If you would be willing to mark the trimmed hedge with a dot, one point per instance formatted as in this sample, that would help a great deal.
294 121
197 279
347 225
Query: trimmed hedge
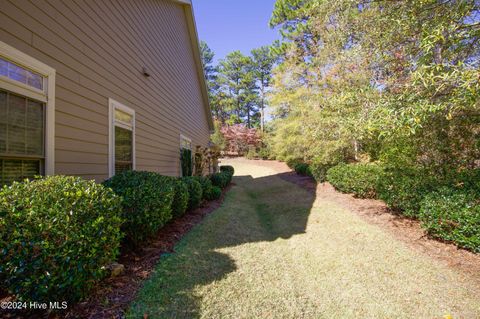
453 215
303 169
227 168
221 179
56 236
319 171
206 184
360 179
213 193
404 189
194 190
180 199
147 202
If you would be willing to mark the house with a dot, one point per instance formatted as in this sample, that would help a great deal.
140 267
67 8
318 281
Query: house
90 88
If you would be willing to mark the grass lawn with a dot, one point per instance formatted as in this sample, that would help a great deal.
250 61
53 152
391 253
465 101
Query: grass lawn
274 251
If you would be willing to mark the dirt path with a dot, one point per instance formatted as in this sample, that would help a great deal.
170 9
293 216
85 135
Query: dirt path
276 250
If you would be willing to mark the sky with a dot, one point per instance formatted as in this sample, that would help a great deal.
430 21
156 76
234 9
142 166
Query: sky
229 25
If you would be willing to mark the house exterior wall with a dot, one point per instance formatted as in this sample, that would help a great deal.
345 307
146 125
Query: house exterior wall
98 49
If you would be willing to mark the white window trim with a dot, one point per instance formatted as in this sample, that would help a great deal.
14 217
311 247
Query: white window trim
112 106
47 95
182 138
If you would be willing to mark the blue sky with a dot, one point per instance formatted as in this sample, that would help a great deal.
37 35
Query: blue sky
229 25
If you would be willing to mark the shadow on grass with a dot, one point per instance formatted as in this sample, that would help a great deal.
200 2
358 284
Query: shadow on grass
260 209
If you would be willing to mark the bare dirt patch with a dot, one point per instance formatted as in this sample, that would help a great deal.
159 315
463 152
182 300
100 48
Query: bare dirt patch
376 212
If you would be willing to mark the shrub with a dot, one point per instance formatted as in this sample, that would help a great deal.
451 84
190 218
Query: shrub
252 154
221 179
147 202
292 161
206 184
186 162
227 168
405 188
359 179
180 199
213 193
453 215
56 236
195 192
319 171
303 169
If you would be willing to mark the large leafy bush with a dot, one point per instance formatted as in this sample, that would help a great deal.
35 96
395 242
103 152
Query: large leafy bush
303 169
227 168
360 179
453 215
147 202
180 199
405 188
221 179
56 236
206 184
195 192
213 193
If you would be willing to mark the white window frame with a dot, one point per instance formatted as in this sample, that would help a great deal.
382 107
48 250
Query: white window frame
47 95
182 138
112 106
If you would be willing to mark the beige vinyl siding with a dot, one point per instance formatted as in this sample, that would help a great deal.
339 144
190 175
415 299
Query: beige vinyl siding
98 49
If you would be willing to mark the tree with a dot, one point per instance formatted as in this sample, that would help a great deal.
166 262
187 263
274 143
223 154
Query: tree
237 83
263 61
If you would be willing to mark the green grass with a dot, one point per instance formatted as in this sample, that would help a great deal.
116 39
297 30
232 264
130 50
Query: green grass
273 251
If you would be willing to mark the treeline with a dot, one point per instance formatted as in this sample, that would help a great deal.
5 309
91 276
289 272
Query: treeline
395 84
238 85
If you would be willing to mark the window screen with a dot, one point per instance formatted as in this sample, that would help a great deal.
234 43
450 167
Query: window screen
123 149
21 137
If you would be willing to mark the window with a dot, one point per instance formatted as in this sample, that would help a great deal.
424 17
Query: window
122 138
27 111
186 162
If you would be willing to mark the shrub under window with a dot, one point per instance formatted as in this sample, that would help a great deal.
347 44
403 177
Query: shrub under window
56 236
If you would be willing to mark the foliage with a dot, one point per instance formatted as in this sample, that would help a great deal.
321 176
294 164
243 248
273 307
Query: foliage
453 215
217 137
227 168
213 193
221 179
186 162
56 236
206 184
147 202
404 188
180 199
194 190
200 156
239 139
360 179
302 169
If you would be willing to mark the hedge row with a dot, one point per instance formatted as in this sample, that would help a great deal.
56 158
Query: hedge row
58 234
448 209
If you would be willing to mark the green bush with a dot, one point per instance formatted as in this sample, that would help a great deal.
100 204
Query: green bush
180 199
221 179
213 193
292 161
227 168
57 234
405 188
195 192
319 171
359 179
147 202
303 169
206 184
453 215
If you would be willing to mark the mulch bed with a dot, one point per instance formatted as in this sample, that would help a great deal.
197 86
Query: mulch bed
114 295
